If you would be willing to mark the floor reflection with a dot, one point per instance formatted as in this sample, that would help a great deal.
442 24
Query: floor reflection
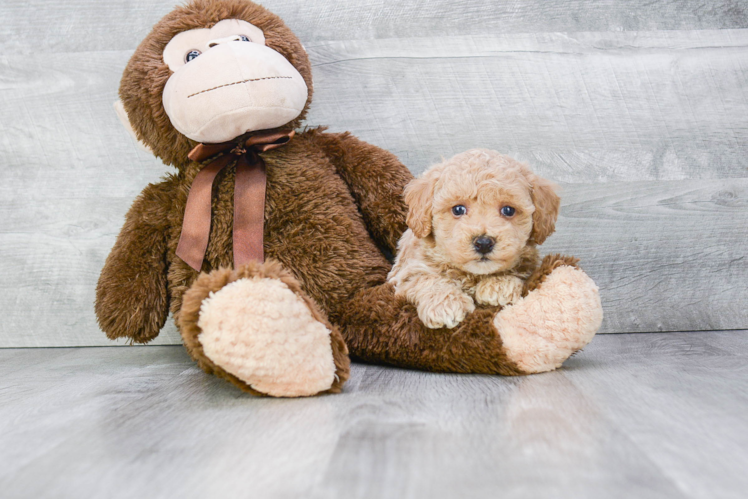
548 416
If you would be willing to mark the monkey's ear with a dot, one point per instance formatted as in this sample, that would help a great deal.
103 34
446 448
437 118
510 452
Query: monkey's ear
119 108
547 204
419 196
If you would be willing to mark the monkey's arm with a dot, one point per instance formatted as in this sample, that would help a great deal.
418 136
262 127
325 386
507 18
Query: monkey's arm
376 179
131 296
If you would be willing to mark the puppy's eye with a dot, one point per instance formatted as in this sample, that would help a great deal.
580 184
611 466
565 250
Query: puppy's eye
191 55
244 38
507 211
459 210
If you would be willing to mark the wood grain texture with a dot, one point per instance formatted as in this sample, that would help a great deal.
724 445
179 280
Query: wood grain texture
645 130
581 107
664 254
657 415
84 25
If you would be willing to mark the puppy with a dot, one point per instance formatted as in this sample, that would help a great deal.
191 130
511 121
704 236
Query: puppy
474 222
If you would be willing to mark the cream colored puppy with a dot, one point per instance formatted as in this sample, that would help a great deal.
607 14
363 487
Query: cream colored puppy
474 221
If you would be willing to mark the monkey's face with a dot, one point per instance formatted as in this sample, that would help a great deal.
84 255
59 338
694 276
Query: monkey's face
226 82
210 71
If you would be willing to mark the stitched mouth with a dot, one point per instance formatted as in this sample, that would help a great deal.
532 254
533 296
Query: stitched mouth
240 82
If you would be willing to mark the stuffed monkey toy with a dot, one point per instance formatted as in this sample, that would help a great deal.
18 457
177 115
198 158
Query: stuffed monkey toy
271 248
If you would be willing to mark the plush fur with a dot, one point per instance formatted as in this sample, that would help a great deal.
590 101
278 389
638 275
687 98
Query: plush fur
208 284
146 74
476 345
438 267
276 346
541 345
334 212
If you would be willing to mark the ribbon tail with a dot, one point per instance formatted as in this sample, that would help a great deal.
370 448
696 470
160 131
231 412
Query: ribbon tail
249 211
193 241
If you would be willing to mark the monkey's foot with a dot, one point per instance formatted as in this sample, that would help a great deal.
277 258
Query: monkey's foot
553 321
256 328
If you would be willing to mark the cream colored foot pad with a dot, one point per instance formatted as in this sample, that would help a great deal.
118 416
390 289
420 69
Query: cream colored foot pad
261 332
542 330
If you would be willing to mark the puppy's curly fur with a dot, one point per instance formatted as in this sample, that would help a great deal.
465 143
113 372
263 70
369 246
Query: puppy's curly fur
441 267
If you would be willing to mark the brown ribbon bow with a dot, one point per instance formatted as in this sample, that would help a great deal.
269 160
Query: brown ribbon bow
249 197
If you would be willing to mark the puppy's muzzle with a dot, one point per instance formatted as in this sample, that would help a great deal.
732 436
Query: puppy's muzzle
483 244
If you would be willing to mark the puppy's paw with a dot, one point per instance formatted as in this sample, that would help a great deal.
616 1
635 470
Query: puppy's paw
499 290
440 308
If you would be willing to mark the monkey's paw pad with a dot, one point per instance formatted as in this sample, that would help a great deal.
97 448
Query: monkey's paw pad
261 332
438 310
540 331
499 291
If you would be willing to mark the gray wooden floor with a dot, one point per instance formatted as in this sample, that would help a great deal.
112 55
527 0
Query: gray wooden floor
657 415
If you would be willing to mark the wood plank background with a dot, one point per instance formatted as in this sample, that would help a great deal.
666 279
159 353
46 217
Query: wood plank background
638 109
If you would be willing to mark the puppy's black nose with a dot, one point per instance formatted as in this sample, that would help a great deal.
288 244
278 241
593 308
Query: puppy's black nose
483 244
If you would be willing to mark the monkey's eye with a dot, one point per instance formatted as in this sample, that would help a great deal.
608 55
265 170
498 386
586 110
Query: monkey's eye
459 210
191 55
244 38
507 211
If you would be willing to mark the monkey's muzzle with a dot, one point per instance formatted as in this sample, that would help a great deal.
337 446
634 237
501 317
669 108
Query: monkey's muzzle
231 89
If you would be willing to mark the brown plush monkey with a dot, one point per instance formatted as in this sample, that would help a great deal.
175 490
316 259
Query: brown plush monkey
222 82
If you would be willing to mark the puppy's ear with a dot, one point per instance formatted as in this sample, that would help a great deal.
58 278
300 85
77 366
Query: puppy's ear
547 204
419 196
